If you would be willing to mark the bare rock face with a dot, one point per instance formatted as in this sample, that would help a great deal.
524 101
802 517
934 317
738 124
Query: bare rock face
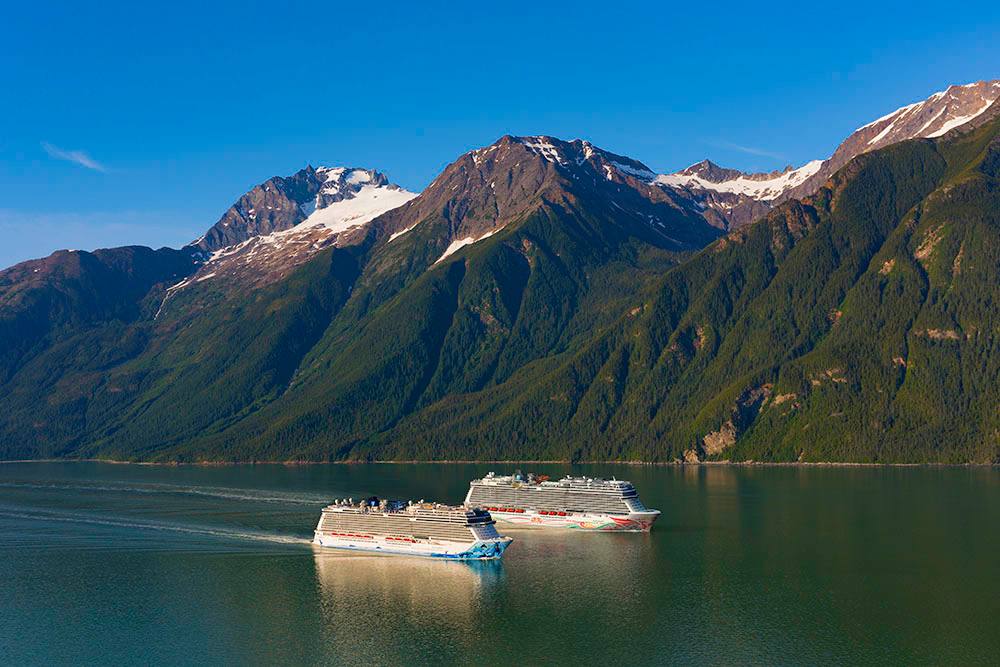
742 415
280 203
283 222
717 441
488 188
274 205
691 456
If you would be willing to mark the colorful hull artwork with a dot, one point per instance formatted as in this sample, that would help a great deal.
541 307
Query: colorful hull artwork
479 550
635 523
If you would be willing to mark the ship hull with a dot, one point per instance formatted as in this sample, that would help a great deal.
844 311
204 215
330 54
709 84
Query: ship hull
637 522
490 549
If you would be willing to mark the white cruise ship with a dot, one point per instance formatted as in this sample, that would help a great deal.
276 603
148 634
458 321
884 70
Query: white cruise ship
416 529
583 503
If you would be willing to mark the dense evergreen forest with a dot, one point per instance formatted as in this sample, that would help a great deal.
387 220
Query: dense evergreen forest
858 325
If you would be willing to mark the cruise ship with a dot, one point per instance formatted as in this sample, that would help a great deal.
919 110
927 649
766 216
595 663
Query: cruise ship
415 529
582 503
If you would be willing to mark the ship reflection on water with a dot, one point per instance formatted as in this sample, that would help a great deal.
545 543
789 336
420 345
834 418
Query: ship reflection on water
411 582
371 602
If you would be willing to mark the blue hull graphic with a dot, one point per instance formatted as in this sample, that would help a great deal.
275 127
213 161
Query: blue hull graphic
481 551
485 550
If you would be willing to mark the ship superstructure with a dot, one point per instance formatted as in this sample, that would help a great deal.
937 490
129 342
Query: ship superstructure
419 529
582 503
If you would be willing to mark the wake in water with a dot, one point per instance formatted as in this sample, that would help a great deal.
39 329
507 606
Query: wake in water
227 493
222 533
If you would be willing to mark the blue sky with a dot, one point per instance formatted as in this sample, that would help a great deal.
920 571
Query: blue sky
141 122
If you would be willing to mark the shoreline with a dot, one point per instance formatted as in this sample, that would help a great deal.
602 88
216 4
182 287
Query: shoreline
679 464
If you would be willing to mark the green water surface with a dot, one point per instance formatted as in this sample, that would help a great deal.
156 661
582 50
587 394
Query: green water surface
116 564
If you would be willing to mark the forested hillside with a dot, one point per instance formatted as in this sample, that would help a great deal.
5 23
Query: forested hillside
540 301
860 325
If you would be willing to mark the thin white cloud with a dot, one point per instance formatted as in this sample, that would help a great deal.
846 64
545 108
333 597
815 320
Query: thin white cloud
749 150
77 157
29 234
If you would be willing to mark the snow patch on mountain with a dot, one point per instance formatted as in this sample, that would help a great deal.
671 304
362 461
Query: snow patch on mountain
354 207
458 244
365 205
959 120
347 200
643 174
544 147
950 108
890 115
764 190
396 235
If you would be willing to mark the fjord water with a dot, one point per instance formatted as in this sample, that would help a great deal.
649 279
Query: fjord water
113 564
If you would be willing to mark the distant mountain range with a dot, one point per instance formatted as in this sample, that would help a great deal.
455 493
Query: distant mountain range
733 198
543 299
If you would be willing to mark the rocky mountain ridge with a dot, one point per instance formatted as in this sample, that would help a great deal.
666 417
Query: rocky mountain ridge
281 203
484 190
942 112
732 198
283 222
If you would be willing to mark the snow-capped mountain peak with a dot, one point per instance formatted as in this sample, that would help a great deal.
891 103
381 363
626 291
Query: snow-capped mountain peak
339 183
286 220
350 197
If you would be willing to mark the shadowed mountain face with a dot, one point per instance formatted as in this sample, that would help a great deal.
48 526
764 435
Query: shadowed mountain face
541 299
857 325
71 291
384 311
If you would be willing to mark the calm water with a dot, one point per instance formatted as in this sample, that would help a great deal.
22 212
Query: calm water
131 564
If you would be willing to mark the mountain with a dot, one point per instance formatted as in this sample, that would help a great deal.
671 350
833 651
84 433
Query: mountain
860 324
279 204
485 190
938 114
731 198
70 291
283 222
270 334
540 299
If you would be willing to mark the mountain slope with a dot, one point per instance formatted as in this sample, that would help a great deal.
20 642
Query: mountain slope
541 299
70 290
555 242
283 222
390 315
731 198
860 325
